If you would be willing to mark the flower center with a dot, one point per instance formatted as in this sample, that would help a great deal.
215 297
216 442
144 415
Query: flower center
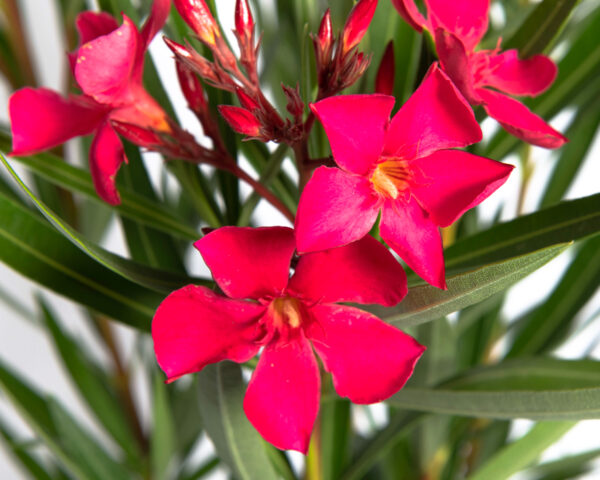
391 178
286 311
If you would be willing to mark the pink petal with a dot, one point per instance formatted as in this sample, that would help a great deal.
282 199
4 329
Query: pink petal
249 262
105 65
91 25
282 399
410 13
41 119
467 19
106 156
363 272
455 62
155 21
435 117
369 359
336 208
530 76
519 121
412 234
456 181
355 126
194 326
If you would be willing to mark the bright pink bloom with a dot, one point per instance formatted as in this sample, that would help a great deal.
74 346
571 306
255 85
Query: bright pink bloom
400 168
457 27
108 66
368 359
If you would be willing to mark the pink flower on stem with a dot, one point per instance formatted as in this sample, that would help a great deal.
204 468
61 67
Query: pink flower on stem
108 67
401 169
457 28
368 359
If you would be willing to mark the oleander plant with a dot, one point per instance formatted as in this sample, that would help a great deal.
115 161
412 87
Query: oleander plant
362 186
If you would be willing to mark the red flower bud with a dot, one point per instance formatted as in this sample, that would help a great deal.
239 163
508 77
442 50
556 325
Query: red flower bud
384 82
197 15
244 23
358 21
193 60
241 120
325 35
246 100
191 88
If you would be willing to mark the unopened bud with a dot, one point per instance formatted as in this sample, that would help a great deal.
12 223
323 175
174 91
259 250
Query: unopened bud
193 60
358 21
241 120
246 100
197 15
191 88
325 35
244 23
384 82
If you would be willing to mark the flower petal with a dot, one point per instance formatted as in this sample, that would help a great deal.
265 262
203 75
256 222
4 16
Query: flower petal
467 19
249 262
106 156
410 13
455 182
368 359
455 62
91 25
282 399
435 117
409 231
41 119
512 75
194 326
155 21
355 126
336 208
519 121
363 272
104 65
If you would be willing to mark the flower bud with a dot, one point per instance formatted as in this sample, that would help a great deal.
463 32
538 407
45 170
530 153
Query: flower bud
325 35
384 82
197 15
191 88
358 21
244 23
246 100
241 120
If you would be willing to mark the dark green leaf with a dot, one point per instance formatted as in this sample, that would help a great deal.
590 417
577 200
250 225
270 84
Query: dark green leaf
237 443
163 440
426 303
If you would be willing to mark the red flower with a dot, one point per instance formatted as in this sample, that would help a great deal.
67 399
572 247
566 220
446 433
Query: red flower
108 66
402 169
457 27
369 360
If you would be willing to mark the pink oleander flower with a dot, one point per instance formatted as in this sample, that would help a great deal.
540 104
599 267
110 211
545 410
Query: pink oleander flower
402 169
108 67
368 359
457 28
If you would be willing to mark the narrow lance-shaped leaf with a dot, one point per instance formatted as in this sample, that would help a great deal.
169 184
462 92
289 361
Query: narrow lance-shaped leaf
156 279
236 441
426 303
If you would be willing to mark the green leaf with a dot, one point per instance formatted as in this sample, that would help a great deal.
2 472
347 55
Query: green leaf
132 205
538 389
549 324
163 440
159 280
518 455
565 222
541 26
426 303
36 250
336 428
83 449
92 383
573 466
20 451
237 443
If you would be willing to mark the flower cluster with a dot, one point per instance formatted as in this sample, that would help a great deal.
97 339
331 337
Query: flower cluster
283 289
